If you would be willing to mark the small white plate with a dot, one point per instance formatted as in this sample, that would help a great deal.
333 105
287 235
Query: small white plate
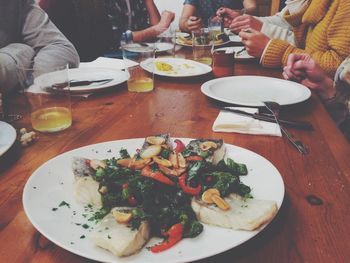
90 74
253 90
7 137
238 56
181 67
54 181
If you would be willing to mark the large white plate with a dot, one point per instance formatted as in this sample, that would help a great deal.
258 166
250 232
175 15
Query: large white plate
52 183
243 55
253 90
7 137
181 67
78 74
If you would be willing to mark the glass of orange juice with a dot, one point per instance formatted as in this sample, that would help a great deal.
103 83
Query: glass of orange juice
139 66
49 97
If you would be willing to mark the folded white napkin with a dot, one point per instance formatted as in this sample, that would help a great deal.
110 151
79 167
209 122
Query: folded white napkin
113 63
232 122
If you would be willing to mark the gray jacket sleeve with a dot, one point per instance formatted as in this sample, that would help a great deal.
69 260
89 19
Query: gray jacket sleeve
11 56
52 48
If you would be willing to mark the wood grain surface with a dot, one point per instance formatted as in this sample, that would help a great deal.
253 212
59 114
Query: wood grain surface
312 225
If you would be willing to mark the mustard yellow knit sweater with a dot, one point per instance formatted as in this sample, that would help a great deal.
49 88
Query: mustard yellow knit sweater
321 29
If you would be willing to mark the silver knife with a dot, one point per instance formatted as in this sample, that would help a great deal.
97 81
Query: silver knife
76 83
271 118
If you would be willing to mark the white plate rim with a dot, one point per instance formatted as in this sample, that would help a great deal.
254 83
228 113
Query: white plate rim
157 50
205 88
215 45
118 76
12 135
236 49
277 177
206 69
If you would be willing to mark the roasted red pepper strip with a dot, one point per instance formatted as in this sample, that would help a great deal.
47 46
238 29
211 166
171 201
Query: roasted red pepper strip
194 158
180 146
158 176
174 235
188 189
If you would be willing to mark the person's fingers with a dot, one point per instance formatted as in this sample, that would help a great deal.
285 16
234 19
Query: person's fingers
240 18
221 11
304 65
292 58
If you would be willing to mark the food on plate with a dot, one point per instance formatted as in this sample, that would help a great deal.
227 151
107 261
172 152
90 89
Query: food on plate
245 214
118 238
175 68
85 187
167 190
220 39
163 66
212 150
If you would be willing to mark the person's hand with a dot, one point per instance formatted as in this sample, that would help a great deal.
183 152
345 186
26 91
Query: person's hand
193 23
165 20
254 41
302 68
227 15
244 22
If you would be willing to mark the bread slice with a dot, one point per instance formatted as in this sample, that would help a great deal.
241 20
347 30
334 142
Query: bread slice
244 214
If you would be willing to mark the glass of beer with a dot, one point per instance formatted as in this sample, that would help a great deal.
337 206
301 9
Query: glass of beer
49 97
202 46
136 63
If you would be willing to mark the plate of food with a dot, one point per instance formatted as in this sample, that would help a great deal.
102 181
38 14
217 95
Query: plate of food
186 40
175 67
7 137
240 52
254 90
153 199
87 79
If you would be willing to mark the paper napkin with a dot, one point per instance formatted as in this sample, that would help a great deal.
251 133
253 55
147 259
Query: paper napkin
232 122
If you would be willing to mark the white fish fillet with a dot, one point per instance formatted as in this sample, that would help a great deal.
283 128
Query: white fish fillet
244 214
85 190
120 239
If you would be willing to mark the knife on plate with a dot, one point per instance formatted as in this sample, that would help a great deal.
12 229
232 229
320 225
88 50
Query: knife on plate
77 83
262 117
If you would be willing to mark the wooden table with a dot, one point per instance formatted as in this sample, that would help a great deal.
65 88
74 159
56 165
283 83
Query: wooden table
312 225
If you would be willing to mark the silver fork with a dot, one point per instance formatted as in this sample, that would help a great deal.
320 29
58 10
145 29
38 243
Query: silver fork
274 107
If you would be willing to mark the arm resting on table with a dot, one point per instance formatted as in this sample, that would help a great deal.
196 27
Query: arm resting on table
11 56
52 48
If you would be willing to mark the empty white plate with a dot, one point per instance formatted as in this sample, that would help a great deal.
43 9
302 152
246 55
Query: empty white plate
253 90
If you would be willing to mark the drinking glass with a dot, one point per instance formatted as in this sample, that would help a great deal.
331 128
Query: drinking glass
215 27
202 46
49 97
165 45
140 68
223 62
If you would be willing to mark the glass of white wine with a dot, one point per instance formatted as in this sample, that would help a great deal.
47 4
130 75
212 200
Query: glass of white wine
49 97
202 46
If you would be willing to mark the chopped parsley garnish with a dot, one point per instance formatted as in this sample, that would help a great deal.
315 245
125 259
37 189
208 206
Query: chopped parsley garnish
63 203
82 236
86 226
